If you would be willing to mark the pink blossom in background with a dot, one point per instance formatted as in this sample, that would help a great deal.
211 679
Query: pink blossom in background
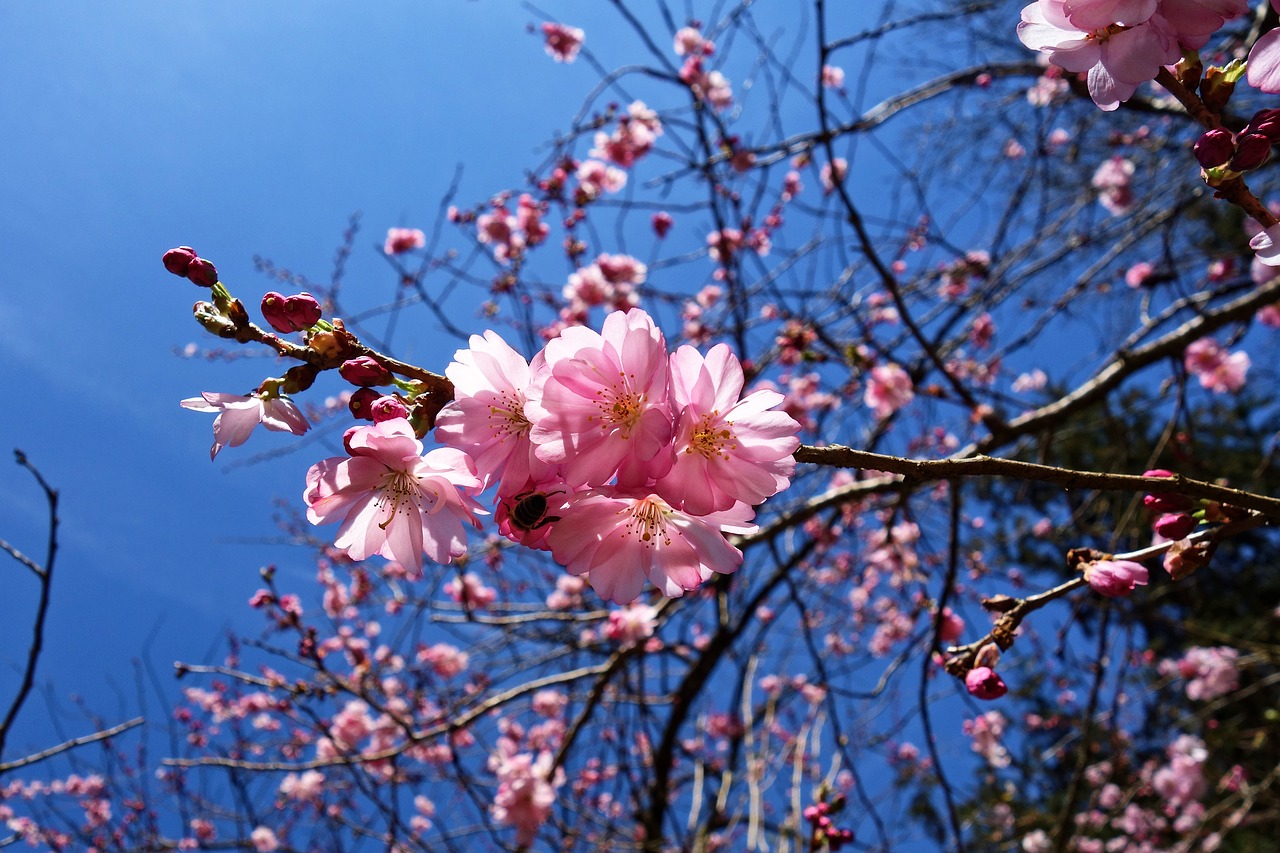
238 415
951 626
471 592
709 86
486 418
403 240
1217 370
500 229
1113 181
833 174
1115 578
596 177
264 840
562 41
1210 672
633 138
1270 316
726 449
622 538
600 405
1033 381
1138 274
888 389
392 501
1181 781
1048 88
985 732
832 76
305 787
632 624
526 789
689 42
1013 150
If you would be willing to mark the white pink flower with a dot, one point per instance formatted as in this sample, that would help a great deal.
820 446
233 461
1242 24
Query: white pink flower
1217 370
888 389
1115 578
238 415
620 539
393 501
726 449
403 239
526 790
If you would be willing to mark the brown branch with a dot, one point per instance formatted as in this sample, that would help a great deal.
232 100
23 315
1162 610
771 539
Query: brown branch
37 757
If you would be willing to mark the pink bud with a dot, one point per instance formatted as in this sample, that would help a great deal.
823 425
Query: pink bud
1115 578
1214 147
364 370
303 310
387 408
984 683
177 260
273 312
1174 525
1252 150
662 223
1267 123
202 272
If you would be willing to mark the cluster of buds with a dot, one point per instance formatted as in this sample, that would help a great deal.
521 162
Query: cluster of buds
1224 155
183 261
825 832
1174 519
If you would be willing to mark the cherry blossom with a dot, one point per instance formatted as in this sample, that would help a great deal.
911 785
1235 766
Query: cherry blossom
1217 370
238 415
1210 671
393 501
832 76
1264 60
888 389
400 240
486 418
1115 578
600 401
526 789
620 538
1113 181
726 449
562 41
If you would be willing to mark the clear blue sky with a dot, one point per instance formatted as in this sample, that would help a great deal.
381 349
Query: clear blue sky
242 129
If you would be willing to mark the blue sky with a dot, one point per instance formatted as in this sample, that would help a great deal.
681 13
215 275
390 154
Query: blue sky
241 129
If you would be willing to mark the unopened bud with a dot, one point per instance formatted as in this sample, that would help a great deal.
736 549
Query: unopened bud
273 312
364 370
388 408
361 404
202 272
1267 123
178 260
299 378
984 683
1174 525
303 310
1252 150
1214 147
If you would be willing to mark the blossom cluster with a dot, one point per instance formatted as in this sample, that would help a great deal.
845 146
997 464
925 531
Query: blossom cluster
1121 44
625 461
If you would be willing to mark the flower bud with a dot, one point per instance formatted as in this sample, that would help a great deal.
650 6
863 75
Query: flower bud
1115 578
1214 147
303 310
387 408
273 312
983 683
1252 150
1267 123
202 272
361 404
662 223
1174 525
1166 502
178 260
364 370
299 378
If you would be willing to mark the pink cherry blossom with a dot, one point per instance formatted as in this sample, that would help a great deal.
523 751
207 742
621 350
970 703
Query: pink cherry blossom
1264 61
888 389
833 174
486 418
689 42
1113 181
562 41
1210 671
983 682
832 76
596 177
264 840
621 538
393 501
238 415
726 449
632 624
1115 578
526 789
602 402
403 239
1266 243
1217 370
1117 58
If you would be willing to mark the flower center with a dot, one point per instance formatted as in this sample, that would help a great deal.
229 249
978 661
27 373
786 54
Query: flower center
711 441
648 521
506 416
401 493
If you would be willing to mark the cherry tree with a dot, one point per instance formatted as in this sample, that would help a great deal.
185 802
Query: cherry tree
852 437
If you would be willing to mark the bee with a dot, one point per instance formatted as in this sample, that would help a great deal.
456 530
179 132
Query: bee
529 511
